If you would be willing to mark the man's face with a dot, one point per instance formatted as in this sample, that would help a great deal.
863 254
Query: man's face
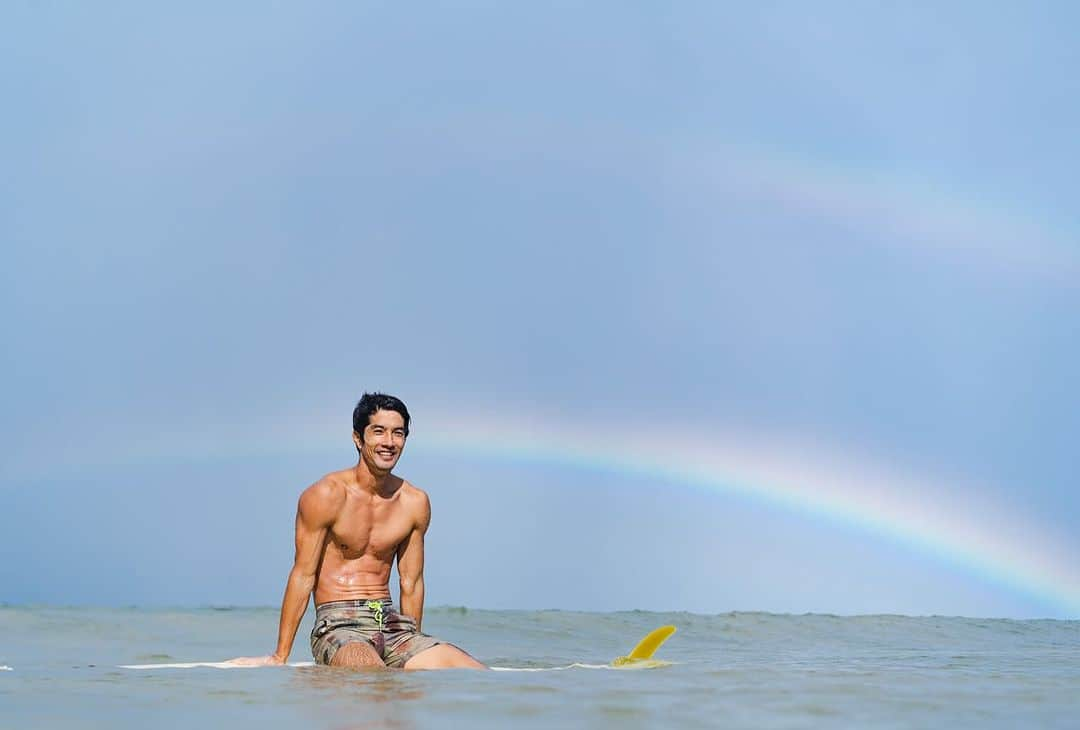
383 440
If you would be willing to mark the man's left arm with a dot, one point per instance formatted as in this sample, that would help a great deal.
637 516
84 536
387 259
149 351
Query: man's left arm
410 557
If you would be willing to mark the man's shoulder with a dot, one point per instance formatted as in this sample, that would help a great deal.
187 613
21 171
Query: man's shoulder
417 501
327 493
412 492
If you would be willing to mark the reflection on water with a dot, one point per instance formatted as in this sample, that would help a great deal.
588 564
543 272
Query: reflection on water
359 698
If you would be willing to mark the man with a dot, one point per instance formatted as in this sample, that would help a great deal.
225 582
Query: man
349 527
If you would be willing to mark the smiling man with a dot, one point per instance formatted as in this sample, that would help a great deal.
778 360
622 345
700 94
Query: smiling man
350 525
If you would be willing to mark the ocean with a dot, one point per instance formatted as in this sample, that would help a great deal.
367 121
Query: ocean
733 670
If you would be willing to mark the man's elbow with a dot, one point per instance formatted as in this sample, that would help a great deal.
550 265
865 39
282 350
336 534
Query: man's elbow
410 585
302 579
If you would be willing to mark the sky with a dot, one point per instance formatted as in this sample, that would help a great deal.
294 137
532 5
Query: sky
696 307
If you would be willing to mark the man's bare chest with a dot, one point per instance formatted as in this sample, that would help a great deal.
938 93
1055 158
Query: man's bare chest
368 526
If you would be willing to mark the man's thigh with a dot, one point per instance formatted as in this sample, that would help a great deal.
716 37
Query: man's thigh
357 654
443 656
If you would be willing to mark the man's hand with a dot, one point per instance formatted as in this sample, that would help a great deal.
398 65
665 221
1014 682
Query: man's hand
272 660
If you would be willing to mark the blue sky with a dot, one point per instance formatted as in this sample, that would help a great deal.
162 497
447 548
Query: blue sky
853 231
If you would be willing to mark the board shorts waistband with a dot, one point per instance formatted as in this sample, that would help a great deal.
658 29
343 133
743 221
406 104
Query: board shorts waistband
354 603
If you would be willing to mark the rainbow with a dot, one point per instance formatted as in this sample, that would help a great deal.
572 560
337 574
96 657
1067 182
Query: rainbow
949 523
936 221
946 523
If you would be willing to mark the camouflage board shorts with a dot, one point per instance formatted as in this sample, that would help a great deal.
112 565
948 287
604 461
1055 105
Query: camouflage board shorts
394 636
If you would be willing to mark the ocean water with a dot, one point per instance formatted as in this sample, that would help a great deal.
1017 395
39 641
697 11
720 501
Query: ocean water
735 670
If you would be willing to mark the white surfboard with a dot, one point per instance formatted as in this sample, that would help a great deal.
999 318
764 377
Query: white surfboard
575 665
227 665
639 658
213 665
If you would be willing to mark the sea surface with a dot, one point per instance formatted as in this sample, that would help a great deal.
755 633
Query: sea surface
734 670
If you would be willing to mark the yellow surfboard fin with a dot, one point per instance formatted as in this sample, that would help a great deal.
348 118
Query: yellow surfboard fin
643 652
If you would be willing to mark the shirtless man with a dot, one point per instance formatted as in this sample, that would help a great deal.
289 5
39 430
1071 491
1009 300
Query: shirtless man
349 527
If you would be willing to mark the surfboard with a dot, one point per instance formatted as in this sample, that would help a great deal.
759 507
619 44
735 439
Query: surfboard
212 665
639 658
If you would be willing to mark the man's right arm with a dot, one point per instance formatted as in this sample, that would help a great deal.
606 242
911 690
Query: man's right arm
315 514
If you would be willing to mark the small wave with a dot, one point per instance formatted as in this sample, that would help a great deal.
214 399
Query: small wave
5 668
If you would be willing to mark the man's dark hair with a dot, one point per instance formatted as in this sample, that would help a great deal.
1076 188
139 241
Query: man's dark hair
371 402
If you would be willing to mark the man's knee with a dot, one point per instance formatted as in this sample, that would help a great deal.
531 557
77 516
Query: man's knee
357 654
443 656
